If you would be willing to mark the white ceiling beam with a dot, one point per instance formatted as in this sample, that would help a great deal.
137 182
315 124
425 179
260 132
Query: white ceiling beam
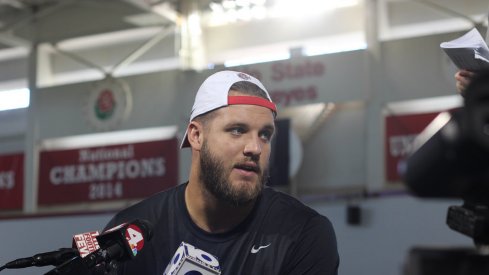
108 39
37 15
161 9
447 10
143 49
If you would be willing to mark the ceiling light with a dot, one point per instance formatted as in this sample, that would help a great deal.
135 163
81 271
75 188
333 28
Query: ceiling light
216 7
243 3
287 8
228 4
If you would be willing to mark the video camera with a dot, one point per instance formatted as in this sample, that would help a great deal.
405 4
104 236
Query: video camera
451 160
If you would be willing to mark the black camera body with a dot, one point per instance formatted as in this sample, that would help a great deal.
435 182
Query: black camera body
453 162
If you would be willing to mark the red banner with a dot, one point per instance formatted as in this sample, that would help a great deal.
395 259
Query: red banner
11 181
115 172
400 131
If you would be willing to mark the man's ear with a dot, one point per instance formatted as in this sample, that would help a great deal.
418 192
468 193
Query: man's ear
195 135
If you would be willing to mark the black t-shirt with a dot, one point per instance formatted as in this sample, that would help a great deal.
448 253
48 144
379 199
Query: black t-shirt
280 236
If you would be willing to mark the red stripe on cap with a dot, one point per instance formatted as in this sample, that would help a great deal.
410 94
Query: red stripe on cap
251 100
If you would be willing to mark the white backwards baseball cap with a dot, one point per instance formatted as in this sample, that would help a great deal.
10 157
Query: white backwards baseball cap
213 94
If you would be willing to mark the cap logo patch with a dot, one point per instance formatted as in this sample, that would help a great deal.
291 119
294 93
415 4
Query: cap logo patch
244 76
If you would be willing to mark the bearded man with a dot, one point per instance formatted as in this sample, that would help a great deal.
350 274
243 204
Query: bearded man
225 211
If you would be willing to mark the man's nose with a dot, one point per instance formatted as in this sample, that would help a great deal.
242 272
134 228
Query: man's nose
253 146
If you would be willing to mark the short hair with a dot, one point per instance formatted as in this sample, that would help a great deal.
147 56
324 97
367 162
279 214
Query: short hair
249 88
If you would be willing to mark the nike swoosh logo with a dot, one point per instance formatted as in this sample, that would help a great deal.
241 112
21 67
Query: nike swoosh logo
255 250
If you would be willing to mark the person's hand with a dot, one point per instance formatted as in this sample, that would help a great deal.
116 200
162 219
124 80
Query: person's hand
463 79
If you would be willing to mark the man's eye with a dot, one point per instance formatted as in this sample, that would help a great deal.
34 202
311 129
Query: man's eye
237 131
266 135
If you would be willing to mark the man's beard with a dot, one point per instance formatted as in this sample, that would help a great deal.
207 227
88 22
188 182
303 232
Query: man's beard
216 180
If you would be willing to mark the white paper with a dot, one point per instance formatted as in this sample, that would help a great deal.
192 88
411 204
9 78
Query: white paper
487 30
469 51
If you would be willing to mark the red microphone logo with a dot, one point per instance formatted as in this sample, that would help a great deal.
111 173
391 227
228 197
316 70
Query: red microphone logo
134 237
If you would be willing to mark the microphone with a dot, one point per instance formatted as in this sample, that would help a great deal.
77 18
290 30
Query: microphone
119 243
42 259
83 244
191 260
